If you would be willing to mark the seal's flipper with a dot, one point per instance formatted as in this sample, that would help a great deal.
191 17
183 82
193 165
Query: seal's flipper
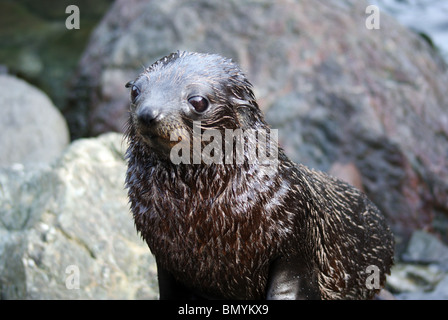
289 279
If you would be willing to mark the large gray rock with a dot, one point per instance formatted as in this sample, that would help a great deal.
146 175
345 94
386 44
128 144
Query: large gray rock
337 91
66 231
33 130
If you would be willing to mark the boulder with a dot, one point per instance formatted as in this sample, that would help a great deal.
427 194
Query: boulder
34 131
66 231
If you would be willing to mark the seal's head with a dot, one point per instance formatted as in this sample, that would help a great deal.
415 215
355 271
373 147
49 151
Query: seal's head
185 87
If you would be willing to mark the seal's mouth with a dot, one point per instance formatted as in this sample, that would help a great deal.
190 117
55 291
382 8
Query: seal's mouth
153 138
149 135
159 137
148 132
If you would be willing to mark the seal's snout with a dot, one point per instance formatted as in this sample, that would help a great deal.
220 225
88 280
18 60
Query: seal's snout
148 115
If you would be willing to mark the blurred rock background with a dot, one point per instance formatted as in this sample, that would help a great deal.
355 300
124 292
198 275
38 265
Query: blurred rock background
367 105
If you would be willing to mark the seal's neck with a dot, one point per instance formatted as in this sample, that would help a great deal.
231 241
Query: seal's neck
207 181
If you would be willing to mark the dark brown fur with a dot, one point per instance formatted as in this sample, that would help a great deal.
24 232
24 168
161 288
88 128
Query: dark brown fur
218 228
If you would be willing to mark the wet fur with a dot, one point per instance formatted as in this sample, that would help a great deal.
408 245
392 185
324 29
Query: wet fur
218 229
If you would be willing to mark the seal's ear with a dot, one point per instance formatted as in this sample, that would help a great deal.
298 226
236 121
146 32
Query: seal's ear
129 84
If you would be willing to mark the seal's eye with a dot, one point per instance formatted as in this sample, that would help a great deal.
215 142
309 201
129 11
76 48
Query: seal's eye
135 92
200 104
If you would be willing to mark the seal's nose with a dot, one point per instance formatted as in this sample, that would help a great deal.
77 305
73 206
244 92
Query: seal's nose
147 115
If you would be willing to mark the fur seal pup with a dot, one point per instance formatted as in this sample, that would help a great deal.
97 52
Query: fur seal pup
242 230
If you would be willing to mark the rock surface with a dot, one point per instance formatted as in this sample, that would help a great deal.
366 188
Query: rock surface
423 274
66 231
337 91
33 130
